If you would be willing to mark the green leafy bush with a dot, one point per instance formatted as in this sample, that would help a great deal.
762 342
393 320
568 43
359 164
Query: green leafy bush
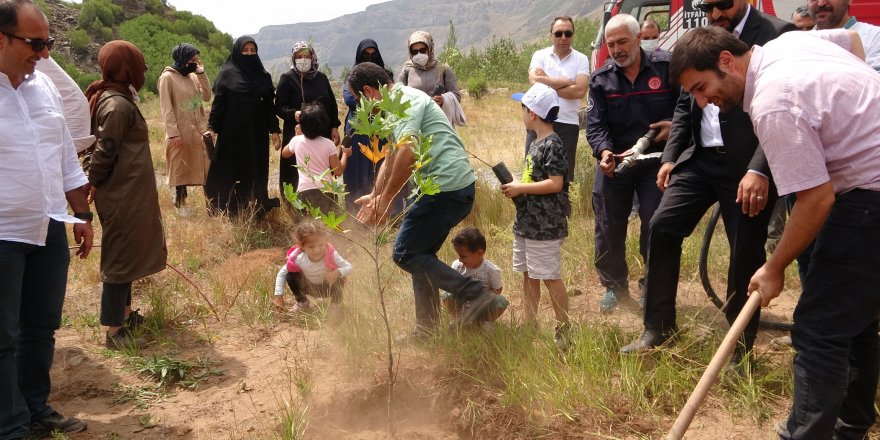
97 14
476 87
505 60
82 79
79 41
156 36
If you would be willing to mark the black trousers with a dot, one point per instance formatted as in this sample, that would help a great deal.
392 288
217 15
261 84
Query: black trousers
837 364
612 204
694 187
114 299
300 288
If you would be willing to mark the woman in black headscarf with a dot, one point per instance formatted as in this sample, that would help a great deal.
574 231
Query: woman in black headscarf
242 116
360 173
303 84
183 87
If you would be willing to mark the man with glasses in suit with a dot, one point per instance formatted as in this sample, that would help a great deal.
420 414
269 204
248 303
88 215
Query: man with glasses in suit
711 157
568 72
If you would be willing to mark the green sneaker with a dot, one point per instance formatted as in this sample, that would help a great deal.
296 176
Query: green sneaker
608 301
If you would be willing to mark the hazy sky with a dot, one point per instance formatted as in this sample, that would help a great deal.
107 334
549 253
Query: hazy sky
238 17
241 17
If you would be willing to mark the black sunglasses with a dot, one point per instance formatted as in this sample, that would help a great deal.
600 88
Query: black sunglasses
723 5
35 43
559 34
418 51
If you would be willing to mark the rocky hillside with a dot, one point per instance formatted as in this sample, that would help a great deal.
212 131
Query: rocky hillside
390 23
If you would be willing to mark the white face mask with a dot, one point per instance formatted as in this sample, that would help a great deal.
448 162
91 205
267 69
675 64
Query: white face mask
303 64
421 59
650 45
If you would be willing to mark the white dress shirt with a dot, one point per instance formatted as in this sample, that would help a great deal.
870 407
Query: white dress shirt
74 103
574 64
710 126
38 161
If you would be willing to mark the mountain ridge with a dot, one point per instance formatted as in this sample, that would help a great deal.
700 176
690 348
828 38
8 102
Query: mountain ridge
390 24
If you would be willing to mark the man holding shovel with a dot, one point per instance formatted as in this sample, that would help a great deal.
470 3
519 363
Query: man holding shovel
821 135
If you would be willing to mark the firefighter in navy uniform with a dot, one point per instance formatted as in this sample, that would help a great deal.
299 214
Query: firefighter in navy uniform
629 95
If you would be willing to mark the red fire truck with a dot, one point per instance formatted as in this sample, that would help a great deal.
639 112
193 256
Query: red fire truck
675 17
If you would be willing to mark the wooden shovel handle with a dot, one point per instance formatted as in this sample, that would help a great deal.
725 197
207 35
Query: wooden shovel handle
686 416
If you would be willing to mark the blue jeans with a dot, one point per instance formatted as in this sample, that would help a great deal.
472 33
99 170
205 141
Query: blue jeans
31 298
837 364
422 233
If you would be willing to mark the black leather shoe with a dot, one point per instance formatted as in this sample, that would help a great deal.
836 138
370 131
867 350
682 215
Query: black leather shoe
648 340
739 362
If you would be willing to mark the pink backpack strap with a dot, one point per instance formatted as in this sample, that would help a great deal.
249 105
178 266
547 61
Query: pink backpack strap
292 253
328 258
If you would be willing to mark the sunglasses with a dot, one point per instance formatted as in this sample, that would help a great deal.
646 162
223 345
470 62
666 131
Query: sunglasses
723 5
559 34
418 51
35 43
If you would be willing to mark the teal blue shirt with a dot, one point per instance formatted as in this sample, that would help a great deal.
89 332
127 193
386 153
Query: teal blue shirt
449 161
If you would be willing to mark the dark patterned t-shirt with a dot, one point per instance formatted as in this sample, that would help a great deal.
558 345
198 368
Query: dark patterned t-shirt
544 216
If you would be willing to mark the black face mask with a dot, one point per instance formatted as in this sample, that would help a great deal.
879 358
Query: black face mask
371 57
191 67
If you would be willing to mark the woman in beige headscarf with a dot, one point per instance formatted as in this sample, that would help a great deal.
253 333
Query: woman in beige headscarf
183 88
121 173
422 71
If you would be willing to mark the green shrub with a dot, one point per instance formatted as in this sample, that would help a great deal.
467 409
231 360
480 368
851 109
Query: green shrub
81 78
156 36
477 87
79 41
505 60
95 14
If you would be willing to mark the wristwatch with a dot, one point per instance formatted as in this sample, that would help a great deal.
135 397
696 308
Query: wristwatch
87 216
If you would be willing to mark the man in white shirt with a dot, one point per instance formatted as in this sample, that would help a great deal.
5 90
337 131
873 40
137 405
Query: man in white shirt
568 72
38 171
834 14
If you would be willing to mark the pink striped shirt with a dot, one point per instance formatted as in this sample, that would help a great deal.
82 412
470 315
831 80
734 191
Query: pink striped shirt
814 106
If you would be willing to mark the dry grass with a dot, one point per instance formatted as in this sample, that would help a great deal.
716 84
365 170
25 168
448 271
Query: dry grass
511 383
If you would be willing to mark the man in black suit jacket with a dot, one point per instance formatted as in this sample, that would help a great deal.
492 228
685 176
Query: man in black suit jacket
711 157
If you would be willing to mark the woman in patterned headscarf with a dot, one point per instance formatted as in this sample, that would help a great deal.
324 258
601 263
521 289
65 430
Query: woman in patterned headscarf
243 118
302 84
183 87
121 173
422 70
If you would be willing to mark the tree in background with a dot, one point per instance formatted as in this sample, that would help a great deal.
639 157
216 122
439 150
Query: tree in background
450 54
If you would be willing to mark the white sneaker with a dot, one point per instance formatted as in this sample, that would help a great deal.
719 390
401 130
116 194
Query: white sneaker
304 306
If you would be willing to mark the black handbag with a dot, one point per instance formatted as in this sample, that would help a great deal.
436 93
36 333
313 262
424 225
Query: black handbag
209 146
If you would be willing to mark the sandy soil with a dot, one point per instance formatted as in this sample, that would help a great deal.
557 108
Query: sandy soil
255 385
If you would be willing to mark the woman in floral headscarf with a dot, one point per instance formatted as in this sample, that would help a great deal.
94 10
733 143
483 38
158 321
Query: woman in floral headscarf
121 173
422 71
302 84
